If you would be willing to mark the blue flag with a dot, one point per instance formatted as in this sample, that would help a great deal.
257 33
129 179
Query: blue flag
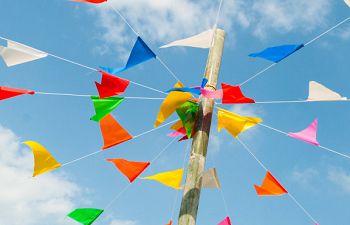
193 90
139 54
278 53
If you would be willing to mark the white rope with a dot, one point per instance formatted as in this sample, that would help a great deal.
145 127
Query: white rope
218 14
163 150
154 129
168 69
258 73
123 18
251 153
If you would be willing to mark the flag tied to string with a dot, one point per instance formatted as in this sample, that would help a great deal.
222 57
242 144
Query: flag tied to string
170 222
85 216
90 1
188 113
104 106
139 54
196 90
226 221
43 160
308 135
177 133
318 92
111 85
270 187
130 169
8 92
210 179
278 53
234 95
171 178
202 40
16 53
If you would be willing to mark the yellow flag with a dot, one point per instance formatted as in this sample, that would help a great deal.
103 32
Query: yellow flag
171 103
172 178
176 126
43 160
235 124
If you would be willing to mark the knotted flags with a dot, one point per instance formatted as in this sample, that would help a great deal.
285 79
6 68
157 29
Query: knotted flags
270 187
104 106
226 221
202 40
85 216
187 113
278 53
171 179
8 92
234 95
111 85
130 169
308 135
318 92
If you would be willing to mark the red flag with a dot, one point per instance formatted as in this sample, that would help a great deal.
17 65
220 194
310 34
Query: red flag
270 187
90 1
233 94
170 223
111 85
130 169
7 92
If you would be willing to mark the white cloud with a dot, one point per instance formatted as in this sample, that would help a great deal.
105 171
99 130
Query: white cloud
340 178
305 177
123 222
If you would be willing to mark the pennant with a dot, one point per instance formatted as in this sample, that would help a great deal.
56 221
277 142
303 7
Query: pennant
210 179
278 53
202 40
180 132
234 95
85 216
318 92
16 53
170 223
308 135
212 94
130 169
90 1
188 113
139 54
104 106
347 2
172 178
235 124
171 103
43 160
112 132
192 90
8 92
226 221
177 125
111 85
270 187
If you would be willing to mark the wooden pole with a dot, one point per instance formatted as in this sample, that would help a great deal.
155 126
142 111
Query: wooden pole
193 184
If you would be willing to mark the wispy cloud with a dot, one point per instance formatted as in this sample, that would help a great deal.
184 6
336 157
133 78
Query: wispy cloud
123 222
340 178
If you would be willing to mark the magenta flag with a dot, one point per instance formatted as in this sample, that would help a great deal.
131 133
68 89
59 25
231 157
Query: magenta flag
308 135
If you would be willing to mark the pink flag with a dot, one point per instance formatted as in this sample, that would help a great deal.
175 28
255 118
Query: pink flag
308 135
212 94
179 132
226 221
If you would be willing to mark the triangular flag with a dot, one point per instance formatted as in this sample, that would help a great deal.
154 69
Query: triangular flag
270 187
192 90
172 178
112 133
210 179
226 221
139 54
111 85
177 133
43 160
202 40
130 169
90 1
171 103
170 223
278 53
235 124
177 125
85 216
212 94
104 106
8 92
347 2
187 113
318 92
234 95
16 53
308 135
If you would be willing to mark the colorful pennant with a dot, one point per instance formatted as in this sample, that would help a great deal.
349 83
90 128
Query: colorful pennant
85 216
112 132
270 187
212 94
170 222
176 126
188 113
104 106
111 85
308 135
278 53
235 124
8 92
226 221
43 160
130 169
202 40
172 178
234 95
139 54
210 179
196 90
177 133
318 92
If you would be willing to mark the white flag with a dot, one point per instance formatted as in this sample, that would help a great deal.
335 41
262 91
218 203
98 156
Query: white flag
347 2
16 53
202 40
318 92
210 179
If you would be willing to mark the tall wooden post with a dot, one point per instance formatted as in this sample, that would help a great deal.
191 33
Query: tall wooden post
193 184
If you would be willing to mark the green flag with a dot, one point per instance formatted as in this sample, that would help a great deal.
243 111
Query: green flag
104 106
187 113
85 216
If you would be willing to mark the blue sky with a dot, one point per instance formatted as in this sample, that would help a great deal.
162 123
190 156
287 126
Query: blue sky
94 36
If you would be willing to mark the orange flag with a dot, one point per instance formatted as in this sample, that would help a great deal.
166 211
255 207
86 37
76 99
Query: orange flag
170 223
90 1
113 134
130 169
270 187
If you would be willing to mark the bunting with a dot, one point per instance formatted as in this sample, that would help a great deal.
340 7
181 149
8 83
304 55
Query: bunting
8 92
177 133
210 179
278 53
85 216
202 40
196 90
171 179
104 106
16 53
177 125
112 132
308 135
111 85
170 222
130 169
43 160
139 54
270 187
188 113
226 221
318 92
212 94
235 124
234 95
